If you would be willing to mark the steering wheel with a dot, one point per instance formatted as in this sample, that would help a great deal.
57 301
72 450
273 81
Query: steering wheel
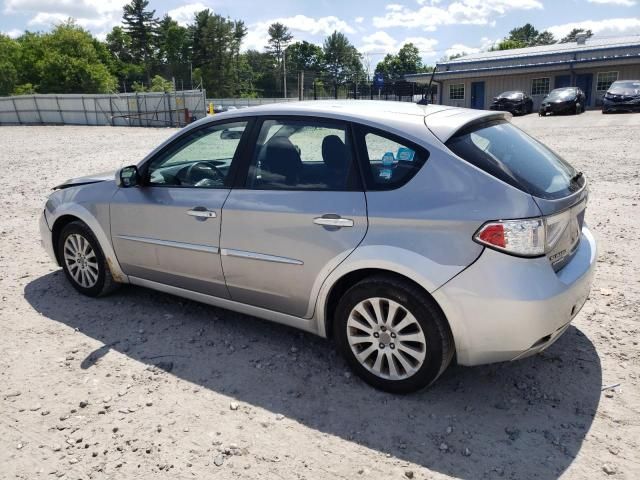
202 172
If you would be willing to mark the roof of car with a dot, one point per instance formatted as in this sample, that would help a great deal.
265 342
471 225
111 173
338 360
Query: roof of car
407 119
356 108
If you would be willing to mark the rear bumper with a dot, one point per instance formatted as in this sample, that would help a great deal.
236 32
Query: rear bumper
45 237
504 308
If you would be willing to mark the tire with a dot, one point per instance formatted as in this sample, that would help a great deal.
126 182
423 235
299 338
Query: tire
418 318
578 108
83 261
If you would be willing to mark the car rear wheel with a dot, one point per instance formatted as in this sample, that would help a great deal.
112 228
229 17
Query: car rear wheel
392 335
83 261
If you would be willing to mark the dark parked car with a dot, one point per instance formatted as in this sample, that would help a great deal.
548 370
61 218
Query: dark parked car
622 96
514 102
564 100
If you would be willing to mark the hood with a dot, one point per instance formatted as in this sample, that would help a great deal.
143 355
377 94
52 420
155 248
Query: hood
74 182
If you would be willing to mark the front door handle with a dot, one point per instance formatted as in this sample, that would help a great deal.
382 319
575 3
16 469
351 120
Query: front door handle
201 213
331 220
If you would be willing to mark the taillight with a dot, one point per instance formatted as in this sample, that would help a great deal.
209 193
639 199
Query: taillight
525 238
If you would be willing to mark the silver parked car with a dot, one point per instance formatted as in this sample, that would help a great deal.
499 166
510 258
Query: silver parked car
409 234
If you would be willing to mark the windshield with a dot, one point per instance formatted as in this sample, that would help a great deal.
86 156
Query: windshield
562 94
511 95
506 152
631 87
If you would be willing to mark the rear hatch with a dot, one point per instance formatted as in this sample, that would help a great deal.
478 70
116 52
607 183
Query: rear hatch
506 152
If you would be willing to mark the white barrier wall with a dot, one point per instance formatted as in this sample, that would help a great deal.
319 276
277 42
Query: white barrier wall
170 109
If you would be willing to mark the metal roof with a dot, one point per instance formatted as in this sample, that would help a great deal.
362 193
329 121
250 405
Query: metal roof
592 44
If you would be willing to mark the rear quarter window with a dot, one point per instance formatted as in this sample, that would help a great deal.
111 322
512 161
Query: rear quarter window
506 152
389 161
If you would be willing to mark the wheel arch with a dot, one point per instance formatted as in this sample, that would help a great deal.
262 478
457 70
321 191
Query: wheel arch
74 212
342 284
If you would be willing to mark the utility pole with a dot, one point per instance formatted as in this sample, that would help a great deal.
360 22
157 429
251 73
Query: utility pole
284 68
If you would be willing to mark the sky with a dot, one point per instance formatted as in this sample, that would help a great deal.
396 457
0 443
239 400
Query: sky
375 27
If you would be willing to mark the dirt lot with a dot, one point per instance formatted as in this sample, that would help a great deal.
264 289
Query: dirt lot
145 385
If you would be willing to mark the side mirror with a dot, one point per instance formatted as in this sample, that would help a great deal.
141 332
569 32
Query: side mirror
128 177
229 134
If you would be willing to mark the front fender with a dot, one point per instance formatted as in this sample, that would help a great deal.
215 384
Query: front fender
418 268
95 215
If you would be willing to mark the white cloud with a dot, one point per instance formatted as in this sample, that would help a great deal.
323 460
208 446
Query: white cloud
459 48
90 14
429 16
380 43
610 26
14 33
257 34
624 3
359 19
184 15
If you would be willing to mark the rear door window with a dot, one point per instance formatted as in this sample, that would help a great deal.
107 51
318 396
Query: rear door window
511 155
303 154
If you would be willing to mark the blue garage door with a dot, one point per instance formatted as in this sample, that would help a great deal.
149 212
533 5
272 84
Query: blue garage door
585 81
562 81
477 95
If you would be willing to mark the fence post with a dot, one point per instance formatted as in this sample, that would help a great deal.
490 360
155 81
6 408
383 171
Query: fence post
111 111
146 111
13 100
35 101
84 110
168 100
301 85
60 111
315 89
335 89
138 110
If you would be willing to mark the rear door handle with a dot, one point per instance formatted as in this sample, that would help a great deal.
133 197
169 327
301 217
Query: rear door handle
333 221
201 213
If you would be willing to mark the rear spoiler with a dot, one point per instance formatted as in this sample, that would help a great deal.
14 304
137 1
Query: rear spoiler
444 124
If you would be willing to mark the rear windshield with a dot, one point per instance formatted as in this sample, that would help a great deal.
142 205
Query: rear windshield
506 152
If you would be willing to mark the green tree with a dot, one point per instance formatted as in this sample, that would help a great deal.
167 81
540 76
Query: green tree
174 44
279 38
526 34
509 44
216 44
9 55
573 34
546 38
141 25
342 60
407 60
71 63
161 84
304 56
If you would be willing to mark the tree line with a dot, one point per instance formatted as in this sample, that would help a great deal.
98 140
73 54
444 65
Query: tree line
147 53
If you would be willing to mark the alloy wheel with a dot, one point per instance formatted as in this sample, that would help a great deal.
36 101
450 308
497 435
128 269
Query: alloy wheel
81 261
386 338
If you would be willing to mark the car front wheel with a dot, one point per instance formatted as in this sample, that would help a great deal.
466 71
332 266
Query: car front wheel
83 261
392 335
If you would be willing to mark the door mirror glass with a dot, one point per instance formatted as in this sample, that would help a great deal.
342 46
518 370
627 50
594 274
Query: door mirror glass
128 176
232 133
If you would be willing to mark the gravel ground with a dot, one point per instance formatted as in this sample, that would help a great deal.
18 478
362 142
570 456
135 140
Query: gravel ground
145 385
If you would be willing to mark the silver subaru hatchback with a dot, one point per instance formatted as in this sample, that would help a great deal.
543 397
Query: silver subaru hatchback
409 234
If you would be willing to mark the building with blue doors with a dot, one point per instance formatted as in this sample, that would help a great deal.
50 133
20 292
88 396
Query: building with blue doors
592 64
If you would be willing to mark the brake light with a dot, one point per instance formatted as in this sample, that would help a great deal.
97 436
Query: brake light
518 237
